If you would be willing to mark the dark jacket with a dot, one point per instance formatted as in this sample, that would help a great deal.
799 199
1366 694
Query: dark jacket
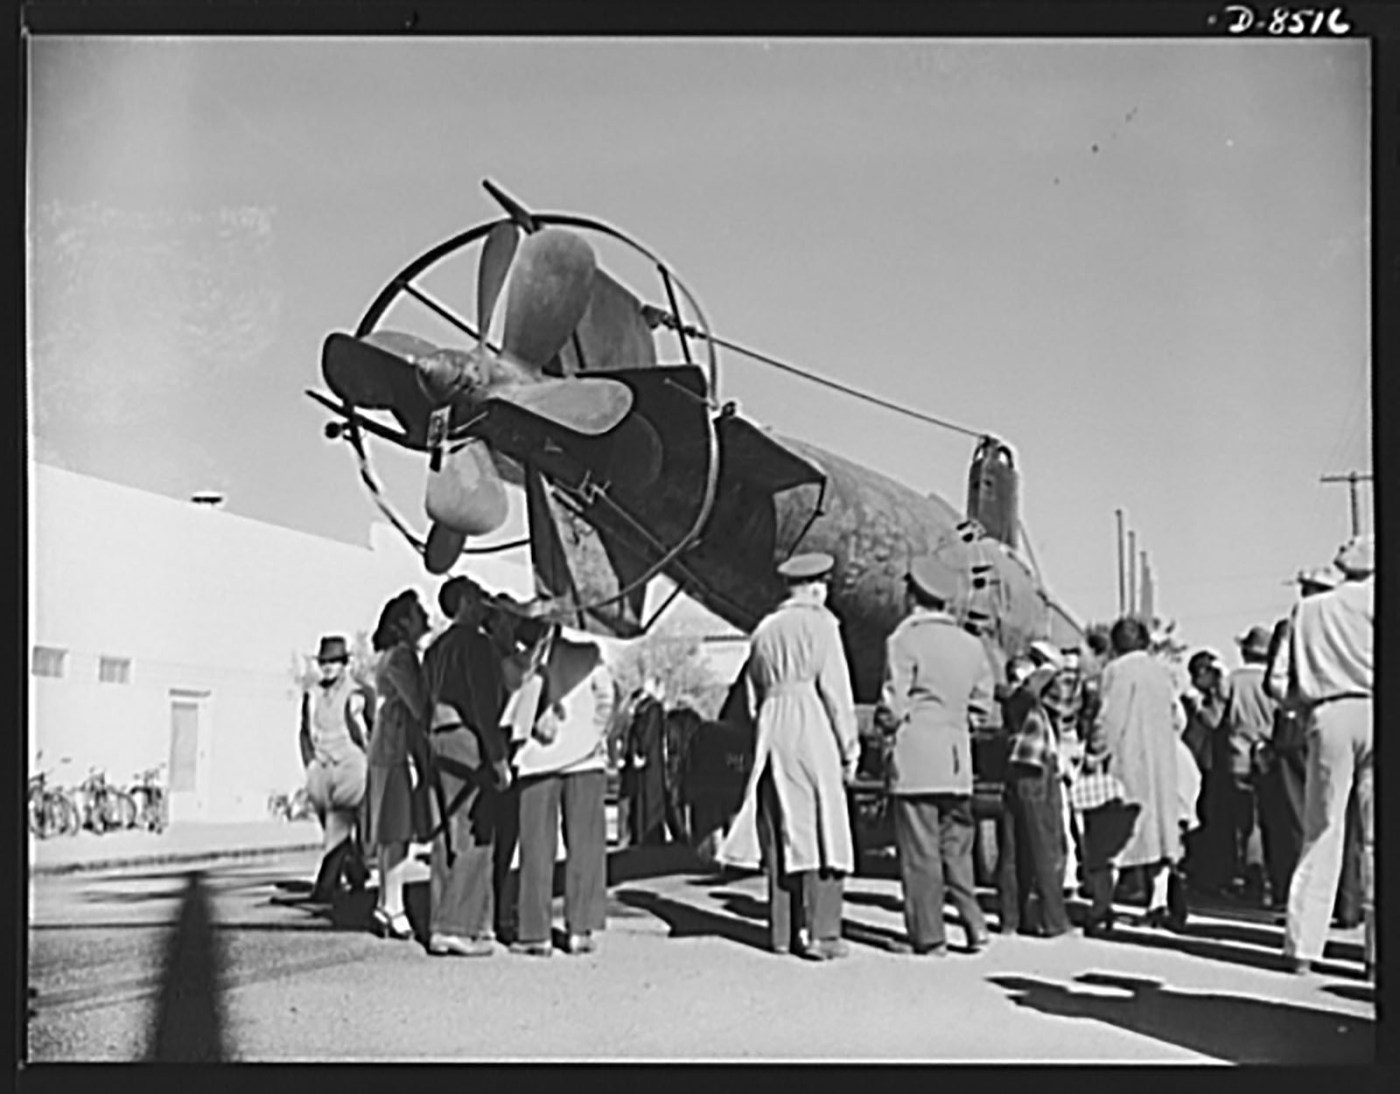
643 771
463 670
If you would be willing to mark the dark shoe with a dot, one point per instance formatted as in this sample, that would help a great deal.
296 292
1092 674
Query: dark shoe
1062 933
904 949
451 945
1299 966
1162 920
301 900
582 943
532 949
827 949
356 874
1099 926
976 943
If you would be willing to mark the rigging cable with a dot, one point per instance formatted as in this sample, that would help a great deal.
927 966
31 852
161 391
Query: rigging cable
655 315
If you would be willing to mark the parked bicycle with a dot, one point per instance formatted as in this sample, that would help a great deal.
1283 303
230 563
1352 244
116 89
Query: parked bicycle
105 807
52 811
148 794
289 807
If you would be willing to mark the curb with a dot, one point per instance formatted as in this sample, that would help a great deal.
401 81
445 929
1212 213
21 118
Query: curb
167 858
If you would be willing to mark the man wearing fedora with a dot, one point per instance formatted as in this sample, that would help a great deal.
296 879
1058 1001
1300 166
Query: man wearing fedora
468 772
1244 733
937 681
333 737
794 818
1327 666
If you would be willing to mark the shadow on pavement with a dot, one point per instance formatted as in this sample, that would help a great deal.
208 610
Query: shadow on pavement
648 861
1358 993
866 934
687 921
1202 945
876 900
1225 1027
188 1022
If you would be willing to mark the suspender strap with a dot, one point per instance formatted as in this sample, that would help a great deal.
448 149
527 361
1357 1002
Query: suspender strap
436 766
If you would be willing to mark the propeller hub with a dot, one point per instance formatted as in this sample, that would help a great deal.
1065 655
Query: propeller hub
450 374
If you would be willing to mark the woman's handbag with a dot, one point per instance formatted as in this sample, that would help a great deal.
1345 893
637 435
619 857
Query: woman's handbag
1092 790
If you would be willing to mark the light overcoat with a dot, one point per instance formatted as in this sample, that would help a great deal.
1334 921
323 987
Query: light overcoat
800 685
1137 728
937 682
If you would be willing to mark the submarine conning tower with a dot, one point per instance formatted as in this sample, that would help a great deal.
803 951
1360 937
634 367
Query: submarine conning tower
993 491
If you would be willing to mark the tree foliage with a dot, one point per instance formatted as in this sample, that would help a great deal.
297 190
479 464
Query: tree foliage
675 659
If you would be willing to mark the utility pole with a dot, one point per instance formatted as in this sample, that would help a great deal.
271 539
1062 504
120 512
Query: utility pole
1132 573
1351 478
1122 601
1147 595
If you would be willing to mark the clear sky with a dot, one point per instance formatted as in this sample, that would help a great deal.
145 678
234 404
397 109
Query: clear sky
1144 264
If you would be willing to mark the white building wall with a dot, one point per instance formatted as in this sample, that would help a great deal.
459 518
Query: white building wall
201 601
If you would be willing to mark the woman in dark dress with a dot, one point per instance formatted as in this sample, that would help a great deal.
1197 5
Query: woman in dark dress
643 770
398 735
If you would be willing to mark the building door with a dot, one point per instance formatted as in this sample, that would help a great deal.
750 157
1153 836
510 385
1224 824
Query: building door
186 715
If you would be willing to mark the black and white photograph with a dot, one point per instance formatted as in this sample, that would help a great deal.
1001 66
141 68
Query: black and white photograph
555 548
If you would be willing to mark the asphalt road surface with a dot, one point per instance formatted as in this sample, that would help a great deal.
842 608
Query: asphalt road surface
129 965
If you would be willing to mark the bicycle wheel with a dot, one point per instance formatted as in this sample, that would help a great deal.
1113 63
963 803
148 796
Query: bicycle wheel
126 810
72 816
109 811
55 819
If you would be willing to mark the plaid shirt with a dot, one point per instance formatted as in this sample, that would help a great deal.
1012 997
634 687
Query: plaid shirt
1034 740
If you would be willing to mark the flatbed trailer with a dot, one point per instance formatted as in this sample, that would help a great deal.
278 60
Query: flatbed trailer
722 757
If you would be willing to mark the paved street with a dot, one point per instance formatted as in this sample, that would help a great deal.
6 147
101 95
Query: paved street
680 975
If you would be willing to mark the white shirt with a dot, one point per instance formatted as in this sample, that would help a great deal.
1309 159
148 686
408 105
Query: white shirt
581 742
1331 644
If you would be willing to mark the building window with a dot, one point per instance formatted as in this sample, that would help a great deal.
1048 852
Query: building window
49 661
114 670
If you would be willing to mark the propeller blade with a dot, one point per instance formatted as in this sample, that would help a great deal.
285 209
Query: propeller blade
550 287
467 495
368 376
408 346
585 406
496 255
442 549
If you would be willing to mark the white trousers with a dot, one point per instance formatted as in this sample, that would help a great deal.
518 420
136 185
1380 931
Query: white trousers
1339 755
1071 878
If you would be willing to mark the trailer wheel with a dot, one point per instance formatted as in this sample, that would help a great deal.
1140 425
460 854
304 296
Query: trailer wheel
984 852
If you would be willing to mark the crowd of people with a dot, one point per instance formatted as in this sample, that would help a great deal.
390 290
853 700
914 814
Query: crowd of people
1236 781
480 747
1253 783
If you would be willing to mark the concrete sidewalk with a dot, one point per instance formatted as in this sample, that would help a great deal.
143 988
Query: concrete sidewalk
187 841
